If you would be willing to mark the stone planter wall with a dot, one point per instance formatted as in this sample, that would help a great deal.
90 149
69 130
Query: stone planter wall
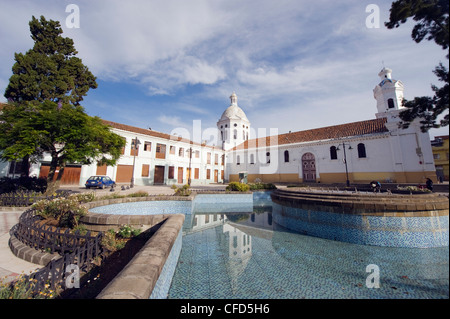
143 273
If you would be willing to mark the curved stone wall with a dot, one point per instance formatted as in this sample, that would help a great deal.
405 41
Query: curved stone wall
106 221
149 273
364 218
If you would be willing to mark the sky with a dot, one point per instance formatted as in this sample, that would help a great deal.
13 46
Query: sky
294 64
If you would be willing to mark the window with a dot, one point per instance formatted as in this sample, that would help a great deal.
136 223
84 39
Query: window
333 152
180 151
196 173
145 170
134 151
252 158
16 167
223 160
208 174
243 135
361 150
208 158
197 154
147 146
286 156
235 134
391 103
161 151
172 150
268 157
238 160
171 172
216 159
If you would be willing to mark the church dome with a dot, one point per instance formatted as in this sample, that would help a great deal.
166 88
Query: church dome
233 112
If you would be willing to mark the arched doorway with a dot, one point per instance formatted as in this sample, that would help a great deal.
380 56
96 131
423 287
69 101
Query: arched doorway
309 167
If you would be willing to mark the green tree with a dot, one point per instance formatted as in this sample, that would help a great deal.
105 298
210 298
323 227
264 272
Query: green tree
432 17
64 131
44 114
50 70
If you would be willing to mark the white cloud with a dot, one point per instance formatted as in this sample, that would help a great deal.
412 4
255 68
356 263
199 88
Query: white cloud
202 72
283 58
172 121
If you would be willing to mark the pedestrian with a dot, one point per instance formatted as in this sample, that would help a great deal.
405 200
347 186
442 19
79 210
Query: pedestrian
430 184
376 186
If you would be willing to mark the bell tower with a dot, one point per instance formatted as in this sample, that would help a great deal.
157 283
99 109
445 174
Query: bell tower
388 93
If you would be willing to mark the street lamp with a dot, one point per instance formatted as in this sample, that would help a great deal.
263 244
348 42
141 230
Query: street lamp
134 145
345 160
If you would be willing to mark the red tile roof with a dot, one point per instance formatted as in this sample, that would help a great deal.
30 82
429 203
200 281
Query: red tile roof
148 132
319 134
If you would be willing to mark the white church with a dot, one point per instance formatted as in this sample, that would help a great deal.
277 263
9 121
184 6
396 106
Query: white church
358 152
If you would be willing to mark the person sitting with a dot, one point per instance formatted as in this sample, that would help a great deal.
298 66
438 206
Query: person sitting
376 186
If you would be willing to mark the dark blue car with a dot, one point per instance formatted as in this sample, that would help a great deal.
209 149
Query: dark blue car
100 182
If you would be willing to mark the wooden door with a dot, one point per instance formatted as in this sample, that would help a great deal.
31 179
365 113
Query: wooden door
71 175
180 175
101 170
216 176
309 167
124 173
159 175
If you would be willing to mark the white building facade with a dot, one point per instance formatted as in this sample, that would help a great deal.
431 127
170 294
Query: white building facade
357 152
160 159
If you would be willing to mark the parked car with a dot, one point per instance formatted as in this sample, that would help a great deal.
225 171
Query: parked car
99 181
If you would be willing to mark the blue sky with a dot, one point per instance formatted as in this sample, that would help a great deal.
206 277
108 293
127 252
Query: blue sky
293 64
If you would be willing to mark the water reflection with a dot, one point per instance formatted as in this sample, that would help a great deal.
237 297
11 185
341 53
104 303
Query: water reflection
245 254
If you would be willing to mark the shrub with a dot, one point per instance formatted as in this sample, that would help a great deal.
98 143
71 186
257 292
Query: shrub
127 231
113 196
238 187
258 186
24 183
138 194
182 191
116 240
66 211
84 197
111 242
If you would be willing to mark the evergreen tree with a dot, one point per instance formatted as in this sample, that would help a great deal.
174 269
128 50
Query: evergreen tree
44 114
50 70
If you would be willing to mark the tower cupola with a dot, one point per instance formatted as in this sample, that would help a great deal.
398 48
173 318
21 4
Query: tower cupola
388 93
233 125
